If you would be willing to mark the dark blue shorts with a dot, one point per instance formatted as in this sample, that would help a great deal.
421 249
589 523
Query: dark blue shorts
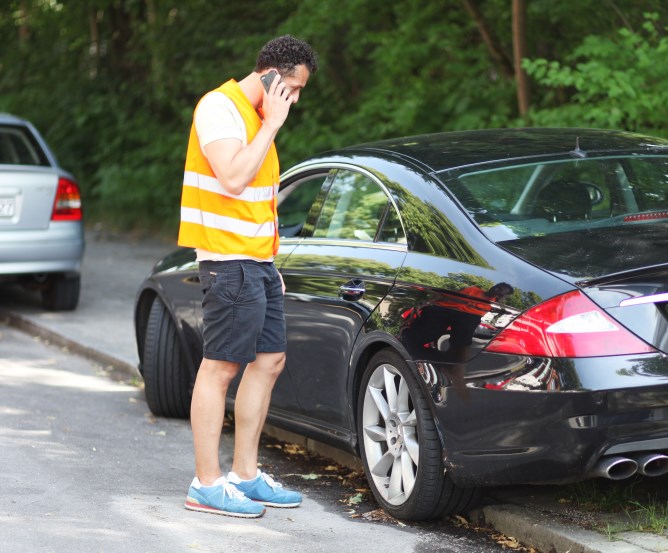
242 310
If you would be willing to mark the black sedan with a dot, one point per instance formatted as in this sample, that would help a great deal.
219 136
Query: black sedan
464 310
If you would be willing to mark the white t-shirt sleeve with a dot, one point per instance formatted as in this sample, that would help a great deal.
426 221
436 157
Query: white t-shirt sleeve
216 118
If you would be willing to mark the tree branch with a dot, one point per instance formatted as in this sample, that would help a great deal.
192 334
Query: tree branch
494 47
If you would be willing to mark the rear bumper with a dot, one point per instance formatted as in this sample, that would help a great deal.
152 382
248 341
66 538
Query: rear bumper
554 428
57 249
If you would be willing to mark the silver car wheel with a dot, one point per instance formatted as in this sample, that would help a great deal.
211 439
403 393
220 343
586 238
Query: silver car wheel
390 435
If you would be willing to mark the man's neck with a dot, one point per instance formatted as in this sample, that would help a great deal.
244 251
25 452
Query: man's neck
249 86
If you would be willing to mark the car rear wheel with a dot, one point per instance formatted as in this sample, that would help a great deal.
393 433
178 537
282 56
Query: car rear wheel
166 376
400 446
61 293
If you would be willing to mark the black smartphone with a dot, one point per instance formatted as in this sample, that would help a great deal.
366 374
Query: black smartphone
267 79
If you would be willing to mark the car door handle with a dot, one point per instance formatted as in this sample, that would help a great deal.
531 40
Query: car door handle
352 290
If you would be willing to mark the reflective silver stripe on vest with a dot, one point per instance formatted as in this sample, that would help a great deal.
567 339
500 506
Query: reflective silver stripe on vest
229 224
212 184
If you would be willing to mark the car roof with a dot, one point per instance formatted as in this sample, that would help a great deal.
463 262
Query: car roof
8 118
450 150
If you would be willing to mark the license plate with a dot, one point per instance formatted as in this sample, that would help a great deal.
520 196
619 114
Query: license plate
6 207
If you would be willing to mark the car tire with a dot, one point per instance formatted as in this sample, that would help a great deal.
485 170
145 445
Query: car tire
400 446
166 377
60 293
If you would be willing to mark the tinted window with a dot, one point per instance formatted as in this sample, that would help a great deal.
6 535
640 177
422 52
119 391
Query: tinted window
18 147
294 204
392 231
546 198
353 208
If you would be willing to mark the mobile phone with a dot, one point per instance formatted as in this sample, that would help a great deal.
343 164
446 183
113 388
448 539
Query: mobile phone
267 79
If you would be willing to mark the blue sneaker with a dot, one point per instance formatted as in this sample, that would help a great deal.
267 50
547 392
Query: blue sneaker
221 498
263 489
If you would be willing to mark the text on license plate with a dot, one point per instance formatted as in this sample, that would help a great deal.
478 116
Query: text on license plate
6 207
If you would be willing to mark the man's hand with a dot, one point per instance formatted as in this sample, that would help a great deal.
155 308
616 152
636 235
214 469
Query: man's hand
276 104
282 282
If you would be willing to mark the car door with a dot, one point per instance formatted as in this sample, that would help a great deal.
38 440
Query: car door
335 277
295 200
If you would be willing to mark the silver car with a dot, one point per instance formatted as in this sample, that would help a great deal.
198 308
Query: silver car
41 229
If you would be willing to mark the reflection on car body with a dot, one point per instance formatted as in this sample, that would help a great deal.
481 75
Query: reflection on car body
463 310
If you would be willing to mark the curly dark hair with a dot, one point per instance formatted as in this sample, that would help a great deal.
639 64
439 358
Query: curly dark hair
285 53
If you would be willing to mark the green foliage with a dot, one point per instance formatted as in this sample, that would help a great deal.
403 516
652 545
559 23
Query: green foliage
112 83
611 82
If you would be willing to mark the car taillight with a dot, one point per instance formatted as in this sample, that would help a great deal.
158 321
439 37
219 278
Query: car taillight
570 325
67 206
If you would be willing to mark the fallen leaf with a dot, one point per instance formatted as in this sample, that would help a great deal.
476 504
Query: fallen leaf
460 521
378 515
294 449
510 542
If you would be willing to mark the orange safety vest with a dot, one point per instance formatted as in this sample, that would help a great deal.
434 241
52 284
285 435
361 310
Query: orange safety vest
214 220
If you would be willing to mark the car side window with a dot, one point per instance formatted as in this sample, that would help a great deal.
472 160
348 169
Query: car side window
353 209
392 231
294 204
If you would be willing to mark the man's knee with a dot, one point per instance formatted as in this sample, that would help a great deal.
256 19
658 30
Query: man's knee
224 371
270 363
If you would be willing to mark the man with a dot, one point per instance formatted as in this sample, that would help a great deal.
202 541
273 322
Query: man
228 213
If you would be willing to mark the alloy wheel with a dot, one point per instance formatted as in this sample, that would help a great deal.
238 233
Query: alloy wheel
390 434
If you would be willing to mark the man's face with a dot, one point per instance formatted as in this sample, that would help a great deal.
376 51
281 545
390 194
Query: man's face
296 81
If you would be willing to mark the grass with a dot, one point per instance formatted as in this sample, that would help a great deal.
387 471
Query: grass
638 504
651 517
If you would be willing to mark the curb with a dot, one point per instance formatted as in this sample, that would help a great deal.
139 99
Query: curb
107 361
539 530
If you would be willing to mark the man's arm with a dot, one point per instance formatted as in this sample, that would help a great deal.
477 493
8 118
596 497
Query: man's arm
236 165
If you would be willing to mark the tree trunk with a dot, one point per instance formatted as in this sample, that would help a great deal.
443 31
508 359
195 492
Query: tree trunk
520 52
496 51
94 50
157 66
24 28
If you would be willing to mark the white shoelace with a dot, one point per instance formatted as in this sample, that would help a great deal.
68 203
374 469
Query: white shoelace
269 480
231 491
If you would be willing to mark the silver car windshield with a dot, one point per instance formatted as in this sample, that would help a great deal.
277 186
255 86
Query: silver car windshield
545 198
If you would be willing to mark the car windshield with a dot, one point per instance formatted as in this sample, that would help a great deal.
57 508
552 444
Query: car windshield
605 206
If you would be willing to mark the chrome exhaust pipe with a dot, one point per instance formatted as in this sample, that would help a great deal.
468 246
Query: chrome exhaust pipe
614 468
651 464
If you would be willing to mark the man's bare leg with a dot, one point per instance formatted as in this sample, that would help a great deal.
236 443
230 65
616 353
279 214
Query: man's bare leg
207 413
250 410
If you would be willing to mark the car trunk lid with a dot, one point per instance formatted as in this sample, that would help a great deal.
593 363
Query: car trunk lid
622 269
638 299
26 197
594 253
